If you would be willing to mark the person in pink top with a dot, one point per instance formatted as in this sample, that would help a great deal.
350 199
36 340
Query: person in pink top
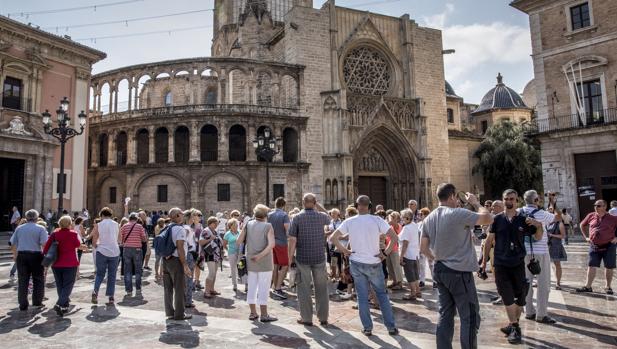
133 234
393 259
65 266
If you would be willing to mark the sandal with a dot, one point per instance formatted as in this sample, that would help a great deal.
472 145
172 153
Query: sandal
267 318
409 298
207 295
214 293
609 291
584 289
253 317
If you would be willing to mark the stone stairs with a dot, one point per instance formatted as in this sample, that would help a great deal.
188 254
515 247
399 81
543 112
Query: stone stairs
5 251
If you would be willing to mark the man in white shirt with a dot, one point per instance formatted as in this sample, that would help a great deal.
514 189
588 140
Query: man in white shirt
15 217
175 268
410 251
365 258
613 210
539 251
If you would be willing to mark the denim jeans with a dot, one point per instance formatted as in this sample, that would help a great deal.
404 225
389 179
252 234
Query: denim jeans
363 276
107 265
132 258
65 279
188 288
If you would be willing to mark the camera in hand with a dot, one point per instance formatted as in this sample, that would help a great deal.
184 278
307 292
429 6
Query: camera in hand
529 230
479 232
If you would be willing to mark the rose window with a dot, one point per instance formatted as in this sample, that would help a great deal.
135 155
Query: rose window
366 71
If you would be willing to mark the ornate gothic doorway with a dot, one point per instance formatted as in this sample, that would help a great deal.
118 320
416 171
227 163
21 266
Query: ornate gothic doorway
376 188
384 168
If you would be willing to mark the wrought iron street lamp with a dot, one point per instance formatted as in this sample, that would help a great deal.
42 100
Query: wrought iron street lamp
266 147
63 133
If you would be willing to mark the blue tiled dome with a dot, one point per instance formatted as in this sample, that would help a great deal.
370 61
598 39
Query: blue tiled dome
500 97
449 90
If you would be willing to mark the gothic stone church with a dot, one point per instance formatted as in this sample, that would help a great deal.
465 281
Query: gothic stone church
356 98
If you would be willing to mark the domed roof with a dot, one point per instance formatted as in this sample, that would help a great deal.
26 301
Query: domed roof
500 97
450 91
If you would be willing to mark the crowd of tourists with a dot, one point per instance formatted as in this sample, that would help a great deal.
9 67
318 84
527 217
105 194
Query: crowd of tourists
365 252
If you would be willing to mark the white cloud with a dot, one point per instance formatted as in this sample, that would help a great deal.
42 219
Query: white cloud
438 21
479 46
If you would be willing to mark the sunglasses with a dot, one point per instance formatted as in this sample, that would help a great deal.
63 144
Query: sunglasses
509 199
598 205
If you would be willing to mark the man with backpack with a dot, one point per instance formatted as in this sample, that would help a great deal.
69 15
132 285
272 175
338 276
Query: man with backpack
507 232
172 246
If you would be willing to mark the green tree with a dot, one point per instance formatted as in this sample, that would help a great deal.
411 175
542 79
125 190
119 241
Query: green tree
508 159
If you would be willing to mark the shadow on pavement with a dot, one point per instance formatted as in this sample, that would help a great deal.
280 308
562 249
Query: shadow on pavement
278 336
53 325
179 333
16 319
103 313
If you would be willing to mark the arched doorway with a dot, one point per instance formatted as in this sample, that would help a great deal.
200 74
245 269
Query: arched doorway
385 168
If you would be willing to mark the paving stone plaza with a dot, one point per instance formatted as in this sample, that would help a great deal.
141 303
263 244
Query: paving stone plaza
587 320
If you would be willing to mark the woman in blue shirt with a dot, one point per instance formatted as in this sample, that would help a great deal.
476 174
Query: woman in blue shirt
229 243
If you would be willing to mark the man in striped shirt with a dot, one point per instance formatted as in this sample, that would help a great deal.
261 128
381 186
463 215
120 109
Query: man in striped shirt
133 234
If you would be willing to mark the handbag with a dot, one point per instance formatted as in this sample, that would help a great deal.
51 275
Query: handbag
534 265
52 253
124 241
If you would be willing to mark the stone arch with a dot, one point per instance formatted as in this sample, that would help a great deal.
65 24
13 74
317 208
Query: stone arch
237 185
121 148
103 145
288 91
290 145
237 143
146 188
161 145
104 186
396 165
209 141
264 88
143 146
182 144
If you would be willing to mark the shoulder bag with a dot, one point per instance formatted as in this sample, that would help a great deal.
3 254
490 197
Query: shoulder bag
52 252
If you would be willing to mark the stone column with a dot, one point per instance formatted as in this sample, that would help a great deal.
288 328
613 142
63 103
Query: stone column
130 97
151 157
136 96
170 147
131 148
112 155
115 100
223 137
111 100
95 151
278 132
251 133
195 142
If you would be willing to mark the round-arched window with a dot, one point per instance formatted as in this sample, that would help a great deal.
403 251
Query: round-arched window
366 71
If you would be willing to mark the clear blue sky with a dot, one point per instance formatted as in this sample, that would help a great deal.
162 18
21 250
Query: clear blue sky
489 36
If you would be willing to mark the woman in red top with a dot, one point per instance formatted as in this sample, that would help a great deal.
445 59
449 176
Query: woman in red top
65 266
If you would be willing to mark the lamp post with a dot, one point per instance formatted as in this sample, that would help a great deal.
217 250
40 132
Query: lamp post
266 146
63 133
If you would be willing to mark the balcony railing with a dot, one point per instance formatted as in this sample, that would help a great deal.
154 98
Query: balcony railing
573 121
199 108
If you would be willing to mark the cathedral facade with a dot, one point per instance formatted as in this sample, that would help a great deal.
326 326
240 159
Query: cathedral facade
357 100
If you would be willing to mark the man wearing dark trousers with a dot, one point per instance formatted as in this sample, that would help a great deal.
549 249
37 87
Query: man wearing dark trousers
27 243
175 269
507 232
446 239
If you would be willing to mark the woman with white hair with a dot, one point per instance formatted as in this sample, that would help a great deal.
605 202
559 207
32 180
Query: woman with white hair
258 239
65 266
